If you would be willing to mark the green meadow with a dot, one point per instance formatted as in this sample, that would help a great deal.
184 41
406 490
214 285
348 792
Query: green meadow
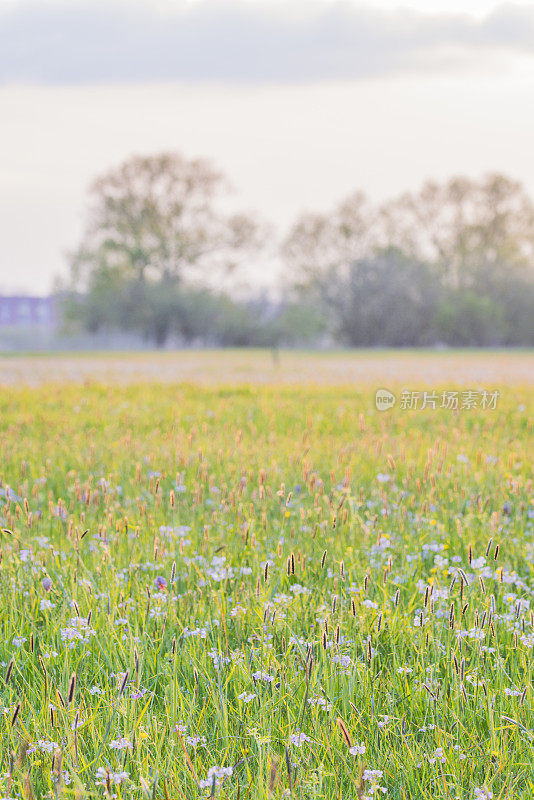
265 591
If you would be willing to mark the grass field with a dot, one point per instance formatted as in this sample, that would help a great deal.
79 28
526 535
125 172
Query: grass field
265 591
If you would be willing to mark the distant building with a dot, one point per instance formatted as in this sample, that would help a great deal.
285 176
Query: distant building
27 312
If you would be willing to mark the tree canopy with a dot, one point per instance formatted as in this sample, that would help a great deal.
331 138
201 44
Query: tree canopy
154 223
451 263
157 216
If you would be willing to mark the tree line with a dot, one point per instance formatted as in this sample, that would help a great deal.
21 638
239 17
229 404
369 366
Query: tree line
451 264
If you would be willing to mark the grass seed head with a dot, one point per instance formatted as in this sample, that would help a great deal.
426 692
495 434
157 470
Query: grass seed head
72 687
15 715
344 732
9 670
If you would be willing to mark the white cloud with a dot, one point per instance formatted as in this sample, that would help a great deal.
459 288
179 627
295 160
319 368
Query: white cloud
233 41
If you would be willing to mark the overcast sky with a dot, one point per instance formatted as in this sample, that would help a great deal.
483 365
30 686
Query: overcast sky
299 103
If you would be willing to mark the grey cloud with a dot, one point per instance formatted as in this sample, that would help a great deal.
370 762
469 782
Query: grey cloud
230 41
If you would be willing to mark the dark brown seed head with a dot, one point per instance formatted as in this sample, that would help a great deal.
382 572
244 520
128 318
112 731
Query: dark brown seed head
123 684
344 732
15 715
72 687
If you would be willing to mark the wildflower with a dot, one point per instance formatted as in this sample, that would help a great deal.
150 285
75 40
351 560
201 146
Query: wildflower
106 775
201 632
298 739
138 693
372 774
262 676
120 744
215 775
483 793
342 660
47 583
438 756
297 588
194 741
246 697
461 756
476 633
45 746
321 702
218 659
78 630
419 620
369 604
357 749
